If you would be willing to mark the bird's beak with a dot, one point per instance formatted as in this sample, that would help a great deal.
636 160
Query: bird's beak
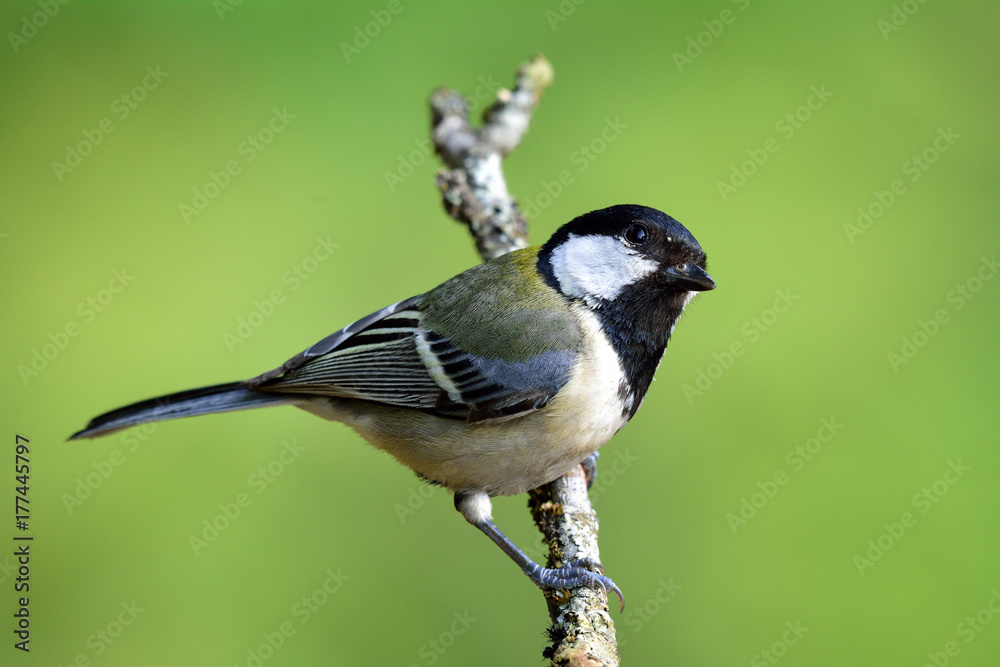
691 277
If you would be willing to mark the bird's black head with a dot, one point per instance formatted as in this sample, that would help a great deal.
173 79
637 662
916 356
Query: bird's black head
604 256
636 268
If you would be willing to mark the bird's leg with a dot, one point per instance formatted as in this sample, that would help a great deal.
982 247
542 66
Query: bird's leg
590 468
475 507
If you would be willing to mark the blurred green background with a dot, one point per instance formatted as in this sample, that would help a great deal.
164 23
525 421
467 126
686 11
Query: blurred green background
730 510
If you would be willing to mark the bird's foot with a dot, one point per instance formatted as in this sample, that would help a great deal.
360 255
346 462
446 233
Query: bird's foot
575 574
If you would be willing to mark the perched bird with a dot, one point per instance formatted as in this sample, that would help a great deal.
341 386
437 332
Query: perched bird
500 379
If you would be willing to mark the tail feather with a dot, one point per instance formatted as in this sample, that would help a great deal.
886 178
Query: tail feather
190 403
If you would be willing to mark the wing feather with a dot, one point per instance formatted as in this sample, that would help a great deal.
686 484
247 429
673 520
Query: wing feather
374 359
418 353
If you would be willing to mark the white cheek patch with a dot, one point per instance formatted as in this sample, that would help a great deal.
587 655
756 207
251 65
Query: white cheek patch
598 267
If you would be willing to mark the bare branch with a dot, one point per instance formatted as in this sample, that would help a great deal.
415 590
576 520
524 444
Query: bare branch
474 191
582 632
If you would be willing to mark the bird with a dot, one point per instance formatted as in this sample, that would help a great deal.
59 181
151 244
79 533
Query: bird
500 379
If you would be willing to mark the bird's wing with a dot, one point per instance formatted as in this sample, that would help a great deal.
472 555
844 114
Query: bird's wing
489 344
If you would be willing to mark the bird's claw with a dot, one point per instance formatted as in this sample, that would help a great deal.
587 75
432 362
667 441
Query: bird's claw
575 574
588 563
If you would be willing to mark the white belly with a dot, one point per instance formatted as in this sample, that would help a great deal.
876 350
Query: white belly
505 457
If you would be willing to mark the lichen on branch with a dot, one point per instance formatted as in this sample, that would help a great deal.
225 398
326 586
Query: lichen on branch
474 192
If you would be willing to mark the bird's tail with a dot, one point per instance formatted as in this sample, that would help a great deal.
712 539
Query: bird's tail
190 403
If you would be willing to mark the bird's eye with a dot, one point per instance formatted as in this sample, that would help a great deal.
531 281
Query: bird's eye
637 234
